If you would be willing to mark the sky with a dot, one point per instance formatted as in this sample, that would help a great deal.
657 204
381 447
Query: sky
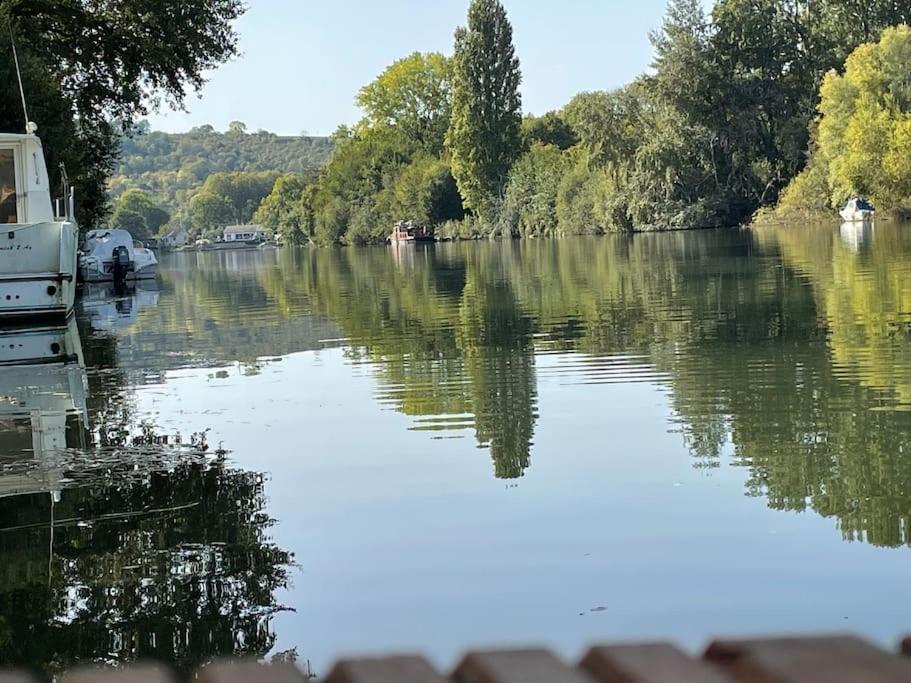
303 61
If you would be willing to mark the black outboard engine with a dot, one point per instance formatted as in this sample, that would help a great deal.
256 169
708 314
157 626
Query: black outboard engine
120 265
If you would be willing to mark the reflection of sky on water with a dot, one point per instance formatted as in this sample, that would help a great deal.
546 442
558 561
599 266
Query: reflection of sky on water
405 543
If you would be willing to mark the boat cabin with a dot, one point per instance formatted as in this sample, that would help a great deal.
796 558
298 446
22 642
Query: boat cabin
102 243
860 204
25 194
406 231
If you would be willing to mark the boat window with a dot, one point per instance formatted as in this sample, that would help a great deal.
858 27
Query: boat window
8 209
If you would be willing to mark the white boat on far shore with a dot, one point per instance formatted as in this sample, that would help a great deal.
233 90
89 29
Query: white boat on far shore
857 210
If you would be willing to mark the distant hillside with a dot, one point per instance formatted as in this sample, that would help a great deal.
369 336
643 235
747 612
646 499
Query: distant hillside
172 166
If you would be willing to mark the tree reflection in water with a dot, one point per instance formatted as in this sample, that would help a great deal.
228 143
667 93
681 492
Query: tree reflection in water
790 346
144 548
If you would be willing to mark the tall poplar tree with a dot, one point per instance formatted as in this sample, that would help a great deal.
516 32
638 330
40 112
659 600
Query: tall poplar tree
485 133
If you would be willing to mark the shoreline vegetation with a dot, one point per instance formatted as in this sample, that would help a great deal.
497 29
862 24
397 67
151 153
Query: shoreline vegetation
751 112
860 143
756 113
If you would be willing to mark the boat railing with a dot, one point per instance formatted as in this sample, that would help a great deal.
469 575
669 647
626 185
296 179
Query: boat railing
65 205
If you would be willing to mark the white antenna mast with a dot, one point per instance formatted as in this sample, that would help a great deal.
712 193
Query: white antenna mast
12 40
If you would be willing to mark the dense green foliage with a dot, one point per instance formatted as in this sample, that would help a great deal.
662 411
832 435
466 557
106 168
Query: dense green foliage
286 210
723 122
485 131
413 95
863 140
137 212
173 168
87 65
227 198
720 126
391 166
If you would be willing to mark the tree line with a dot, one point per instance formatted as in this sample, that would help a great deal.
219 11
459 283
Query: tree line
736 112
721 125
204 178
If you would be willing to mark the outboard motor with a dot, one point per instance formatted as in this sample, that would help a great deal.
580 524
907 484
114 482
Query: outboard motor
120 263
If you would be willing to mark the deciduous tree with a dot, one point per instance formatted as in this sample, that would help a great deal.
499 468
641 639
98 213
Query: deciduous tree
413 94
90 64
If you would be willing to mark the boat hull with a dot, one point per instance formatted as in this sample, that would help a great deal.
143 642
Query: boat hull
92 274
857 216
37 270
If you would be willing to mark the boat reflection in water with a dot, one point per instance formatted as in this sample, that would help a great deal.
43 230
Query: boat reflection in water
857 235
115 536
108 307
42 407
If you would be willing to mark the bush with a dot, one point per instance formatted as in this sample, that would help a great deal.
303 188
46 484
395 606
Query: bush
530 206
576 202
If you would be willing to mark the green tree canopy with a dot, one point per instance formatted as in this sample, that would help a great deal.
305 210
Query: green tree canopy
137 212
549 129
88 64
425 192
285 211
229 198
414 95
865 132
485 134
863 138
208 212
530 207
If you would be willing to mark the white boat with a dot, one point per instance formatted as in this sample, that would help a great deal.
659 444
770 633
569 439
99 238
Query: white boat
111 255
37 247
857 210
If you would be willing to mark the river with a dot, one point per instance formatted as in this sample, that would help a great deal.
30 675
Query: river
429 448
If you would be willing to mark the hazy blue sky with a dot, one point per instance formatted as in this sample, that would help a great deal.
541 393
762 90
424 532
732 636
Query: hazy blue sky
303 61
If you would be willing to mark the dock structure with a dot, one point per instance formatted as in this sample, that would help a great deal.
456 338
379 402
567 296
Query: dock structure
830 659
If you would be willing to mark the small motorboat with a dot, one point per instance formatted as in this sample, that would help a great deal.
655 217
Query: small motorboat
112 255
37 244
857 210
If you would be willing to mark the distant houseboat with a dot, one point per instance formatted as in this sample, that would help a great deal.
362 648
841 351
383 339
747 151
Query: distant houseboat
406 231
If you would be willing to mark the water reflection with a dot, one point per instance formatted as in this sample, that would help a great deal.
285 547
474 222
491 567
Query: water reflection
118 541
42 409
107 307
792 346
781 358
856 235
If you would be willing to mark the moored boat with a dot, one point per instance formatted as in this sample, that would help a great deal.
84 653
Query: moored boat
406 231
113 255
857 210
37 247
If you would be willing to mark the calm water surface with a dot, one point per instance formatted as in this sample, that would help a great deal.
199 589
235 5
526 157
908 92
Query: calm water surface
360 450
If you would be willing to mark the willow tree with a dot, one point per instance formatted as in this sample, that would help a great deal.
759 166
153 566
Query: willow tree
485 134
